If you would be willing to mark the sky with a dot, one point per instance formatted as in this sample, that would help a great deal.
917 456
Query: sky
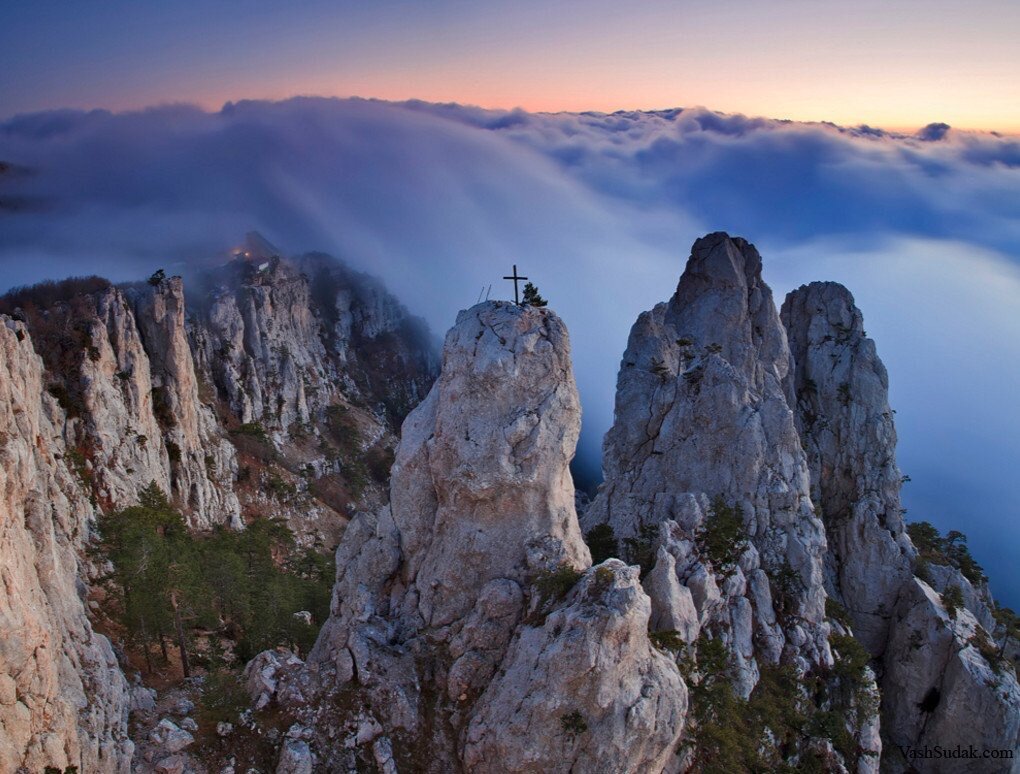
146 135
896 65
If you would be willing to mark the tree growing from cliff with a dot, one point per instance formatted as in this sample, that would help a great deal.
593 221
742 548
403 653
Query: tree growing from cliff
602 543
948 550
532 297
723 536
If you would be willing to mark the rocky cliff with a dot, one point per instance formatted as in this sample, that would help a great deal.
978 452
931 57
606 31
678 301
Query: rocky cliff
468 625
313 367
202 460
106 389
274 387
944 679
751 471
63 698
846 426
746 595
702 426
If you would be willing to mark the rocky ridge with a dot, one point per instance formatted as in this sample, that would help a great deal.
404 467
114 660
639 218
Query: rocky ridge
726 408
274 387
943 679
105 389
466 613
751 488
63 698
702 424
846 426
751 485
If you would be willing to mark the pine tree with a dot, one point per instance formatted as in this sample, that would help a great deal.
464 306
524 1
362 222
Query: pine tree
531 296
140 543
250 583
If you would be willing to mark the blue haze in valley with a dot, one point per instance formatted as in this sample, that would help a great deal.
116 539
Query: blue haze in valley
600 210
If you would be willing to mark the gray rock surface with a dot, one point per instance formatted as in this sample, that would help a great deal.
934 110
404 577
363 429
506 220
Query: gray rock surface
283 338
976 596
117 425
585 691
296 758
846 426
262 674
63 699
171 764
480 490
108 389
847 429
203 460
702 418
142 699
170 736
673 607
939 689
437 615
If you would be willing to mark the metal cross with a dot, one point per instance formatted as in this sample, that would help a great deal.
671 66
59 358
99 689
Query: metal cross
516 279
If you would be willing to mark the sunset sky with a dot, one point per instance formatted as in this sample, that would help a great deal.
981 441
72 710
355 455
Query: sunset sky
897 64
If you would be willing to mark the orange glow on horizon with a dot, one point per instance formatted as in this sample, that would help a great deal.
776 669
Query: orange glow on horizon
890 120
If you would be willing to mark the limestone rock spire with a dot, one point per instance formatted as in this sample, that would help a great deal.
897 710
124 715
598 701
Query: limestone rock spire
701 417
466 612
846 428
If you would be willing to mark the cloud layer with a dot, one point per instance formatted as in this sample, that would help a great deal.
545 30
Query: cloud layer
600 210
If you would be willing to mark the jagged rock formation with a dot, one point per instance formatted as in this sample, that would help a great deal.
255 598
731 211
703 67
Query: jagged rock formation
750 477
325 363
701 415
591 657
202 460
448 620
846 425
282 339
98 370
302 364
63 699
945 686
104 390
977 597
939 685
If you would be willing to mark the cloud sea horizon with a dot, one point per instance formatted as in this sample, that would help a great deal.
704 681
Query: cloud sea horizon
600 211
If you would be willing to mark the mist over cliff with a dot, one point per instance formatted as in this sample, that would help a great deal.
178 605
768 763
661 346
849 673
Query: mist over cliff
440 200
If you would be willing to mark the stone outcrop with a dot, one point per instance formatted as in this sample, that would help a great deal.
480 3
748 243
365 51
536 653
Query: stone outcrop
846 426
115 434
202 460
480 489
262 343
302 364
702 424
461 613
940 689
322 364
105 389
282 339
590 662
937 686
750 476
63 699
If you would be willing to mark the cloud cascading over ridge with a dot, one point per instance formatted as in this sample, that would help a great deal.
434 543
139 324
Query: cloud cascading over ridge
600 210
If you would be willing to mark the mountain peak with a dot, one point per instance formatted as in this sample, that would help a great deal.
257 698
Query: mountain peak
257 248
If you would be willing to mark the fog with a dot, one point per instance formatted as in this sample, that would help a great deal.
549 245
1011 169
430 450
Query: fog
600 211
